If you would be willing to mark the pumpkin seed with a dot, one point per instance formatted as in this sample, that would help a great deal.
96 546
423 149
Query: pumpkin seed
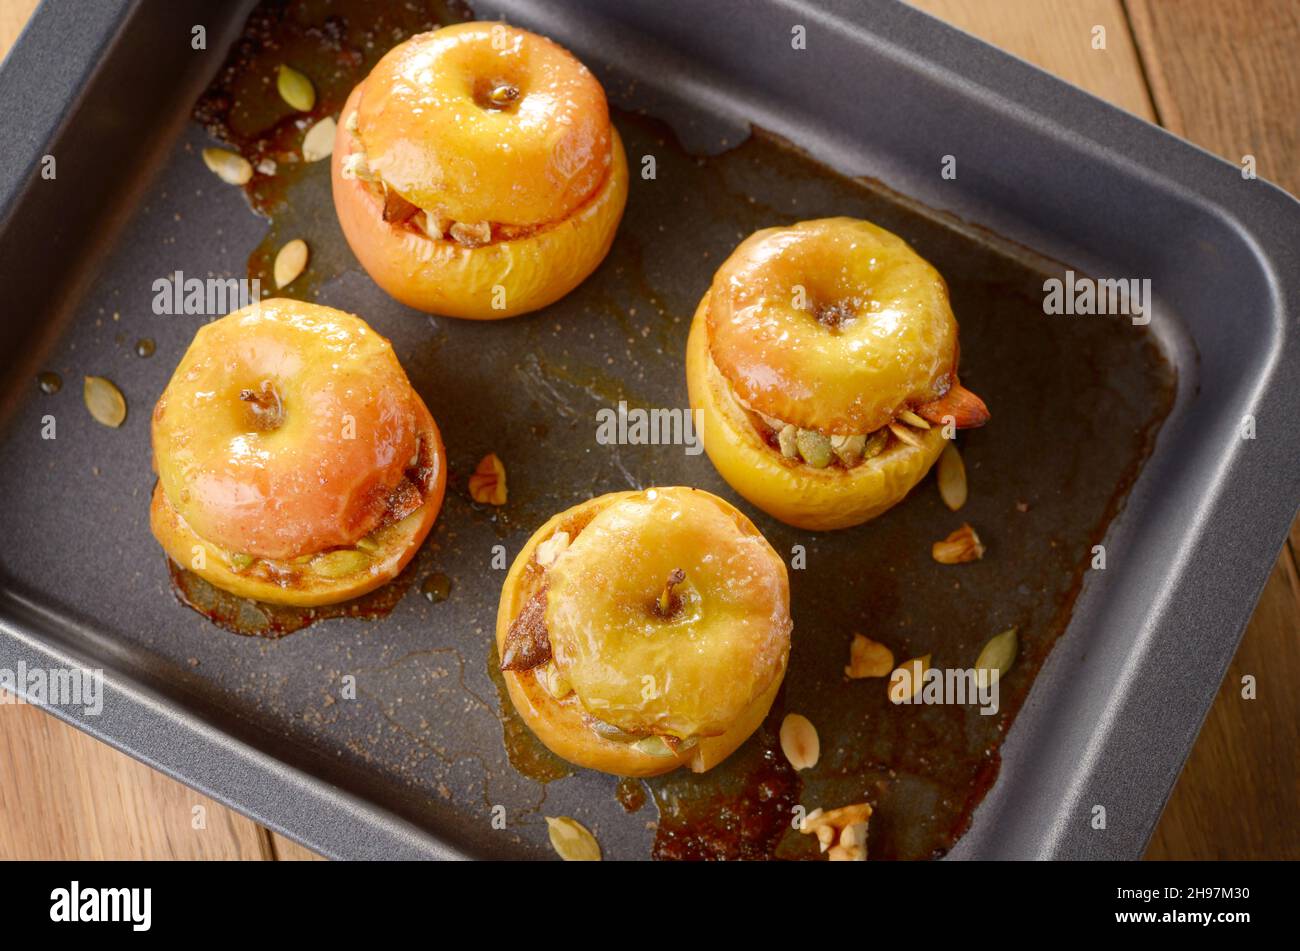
814 447
912 419
952 478
105 401
295 88
799 741
848 449
318 143
876 444
999 654
653 746
291 262
905 435
230 167
571 840
908 678
340 563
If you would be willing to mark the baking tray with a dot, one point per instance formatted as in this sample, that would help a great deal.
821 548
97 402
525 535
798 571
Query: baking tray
413 767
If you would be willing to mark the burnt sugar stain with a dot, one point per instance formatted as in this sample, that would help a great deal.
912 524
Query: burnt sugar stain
1076 403
260 619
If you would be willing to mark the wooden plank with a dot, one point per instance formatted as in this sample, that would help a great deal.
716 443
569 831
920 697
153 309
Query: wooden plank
1223 74
64 795
287 850
1057 35
13 17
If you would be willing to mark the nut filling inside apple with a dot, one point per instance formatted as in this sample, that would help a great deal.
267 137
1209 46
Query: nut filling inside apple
434 223
401 510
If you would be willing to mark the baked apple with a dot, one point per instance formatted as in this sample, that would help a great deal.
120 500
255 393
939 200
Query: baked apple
476 173
296 465
824 358
642 631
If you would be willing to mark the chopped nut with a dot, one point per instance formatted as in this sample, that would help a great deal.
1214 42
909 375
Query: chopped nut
867 658
230 167
786 439
433 226
549 550
962 545
472 235
848 449
906 435
318 143
290 262
908 678
842 832
488 483
998 655
799 741
912 419
814 447
355 166
571 840
952 478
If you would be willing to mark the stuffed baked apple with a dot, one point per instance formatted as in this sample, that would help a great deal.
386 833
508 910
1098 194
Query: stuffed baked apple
643 631
476 173
824 358
296 465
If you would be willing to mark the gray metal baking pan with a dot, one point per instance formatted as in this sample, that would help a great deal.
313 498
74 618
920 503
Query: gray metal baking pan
412 768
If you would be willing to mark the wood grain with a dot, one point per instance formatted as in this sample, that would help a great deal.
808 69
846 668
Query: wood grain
64 795
1224 75
1057 35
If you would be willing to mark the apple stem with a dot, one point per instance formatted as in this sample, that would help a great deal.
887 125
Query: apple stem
666 600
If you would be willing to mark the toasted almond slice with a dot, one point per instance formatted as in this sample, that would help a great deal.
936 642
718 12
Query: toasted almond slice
552 548
961 546
952 478
907 679
912 419
295 88
867 658
290 262
999 654
105 401
799 741
903 434
231 167
571 840
318 143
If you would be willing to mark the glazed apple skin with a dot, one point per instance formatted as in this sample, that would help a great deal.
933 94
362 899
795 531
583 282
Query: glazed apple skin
430 133
797 494
314 481
559 723
397 545
899 349
509 276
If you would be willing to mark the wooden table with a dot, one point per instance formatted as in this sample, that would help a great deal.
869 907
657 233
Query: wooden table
1221 73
